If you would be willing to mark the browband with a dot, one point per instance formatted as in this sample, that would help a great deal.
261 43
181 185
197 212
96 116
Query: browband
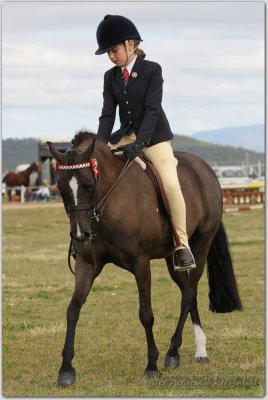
93 164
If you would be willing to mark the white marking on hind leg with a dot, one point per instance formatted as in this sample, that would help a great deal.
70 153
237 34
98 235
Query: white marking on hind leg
200 342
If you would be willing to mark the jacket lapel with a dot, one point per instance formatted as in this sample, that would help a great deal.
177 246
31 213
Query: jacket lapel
119 77
136 71
135 74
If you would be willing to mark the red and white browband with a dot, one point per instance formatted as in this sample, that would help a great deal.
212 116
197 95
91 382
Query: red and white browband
93 164
74 166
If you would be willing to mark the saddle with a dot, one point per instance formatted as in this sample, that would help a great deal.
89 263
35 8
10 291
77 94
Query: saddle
153 174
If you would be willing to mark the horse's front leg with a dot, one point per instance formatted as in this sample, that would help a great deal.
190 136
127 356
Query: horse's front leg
143 279
85 274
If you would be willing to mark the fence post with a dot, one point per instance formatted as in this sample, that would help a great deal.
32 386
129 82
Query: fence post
22 194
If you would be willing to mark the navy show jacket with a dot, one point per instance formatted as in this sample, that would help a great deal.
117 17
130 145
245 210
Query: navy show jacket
139 102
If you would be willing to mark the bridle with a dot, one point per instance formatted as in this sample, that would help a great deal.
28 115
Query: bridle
96 208
93 164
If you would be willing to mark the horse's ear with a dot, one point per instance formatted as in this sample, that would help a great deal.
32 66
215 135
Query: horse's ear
60 157
89 150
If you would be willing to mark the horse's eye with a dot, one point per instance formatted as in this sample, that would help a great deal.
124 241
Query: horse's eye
89 187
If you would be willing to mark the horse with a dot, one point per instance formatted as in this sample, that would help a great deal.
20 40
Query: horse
21 178
114 209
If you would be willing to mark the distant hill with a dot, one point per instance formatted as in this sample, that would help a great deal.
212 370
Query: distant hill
25 151
248 137
18 151
216 154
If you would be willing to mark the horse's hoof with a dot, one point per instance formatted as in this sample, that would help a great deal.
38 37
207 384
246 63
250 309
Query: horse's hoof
66 378
152 374
172 362
201 360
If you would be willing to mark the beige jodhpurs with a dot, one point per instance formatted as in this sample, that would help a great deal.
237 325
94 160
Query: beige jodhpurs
162 157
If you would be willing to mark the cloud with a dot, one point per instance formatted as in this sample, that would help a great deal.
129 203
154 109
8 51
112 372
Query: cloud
212 55
198 125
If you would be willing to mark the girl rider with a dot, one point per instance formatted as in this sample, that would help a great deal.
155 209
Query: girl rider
136 85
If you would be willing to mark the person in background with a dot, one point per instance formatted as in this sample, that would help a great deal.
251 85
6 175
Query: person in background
43 192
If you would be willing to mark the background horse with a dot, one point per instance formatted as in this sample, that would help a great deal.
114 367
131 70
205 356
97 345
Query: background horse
19 179
130 230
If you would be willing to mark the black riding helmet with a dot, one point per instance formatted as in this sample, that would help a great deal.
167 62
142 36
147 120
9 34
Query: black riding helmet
115 29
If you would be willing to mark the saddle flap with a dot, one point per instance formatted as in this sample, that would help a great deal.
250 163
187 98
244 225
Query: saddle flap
158 184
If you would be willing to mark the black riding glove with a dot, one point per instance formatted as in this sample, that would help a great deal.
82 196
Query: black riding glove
131 150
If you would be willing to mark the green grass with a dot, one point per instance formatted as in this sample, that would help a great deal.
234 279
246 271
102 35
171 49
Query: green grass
110 342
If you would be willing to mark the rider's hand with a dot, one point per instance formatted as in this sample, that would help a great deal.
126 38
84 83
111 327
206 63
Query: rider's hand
131 150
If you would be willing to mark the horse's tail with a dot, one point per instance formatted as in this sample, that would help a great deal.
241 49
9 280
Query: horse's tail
223 294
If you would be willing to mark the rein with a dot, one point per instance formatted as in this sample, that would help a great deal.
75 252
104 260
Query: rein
99 209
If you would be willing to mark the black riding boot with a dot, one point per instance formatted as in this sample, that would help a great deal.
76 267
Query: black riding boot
183 259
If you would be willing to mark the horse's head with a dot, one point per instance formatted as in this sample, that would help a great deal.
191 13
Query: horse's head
35 167
76 183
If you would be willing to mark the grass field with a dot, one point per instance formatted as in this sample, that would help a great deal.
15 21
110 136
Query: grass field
110 342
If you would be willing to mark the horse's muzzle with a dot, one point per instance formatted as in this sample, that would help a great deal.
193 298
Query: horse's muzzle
80 236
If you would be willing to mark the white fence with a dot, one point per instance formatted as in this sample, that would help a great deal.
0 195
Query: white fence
23 194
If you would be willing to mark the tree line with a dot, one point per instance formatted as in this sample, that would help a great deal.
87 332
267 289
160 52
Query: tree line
25 151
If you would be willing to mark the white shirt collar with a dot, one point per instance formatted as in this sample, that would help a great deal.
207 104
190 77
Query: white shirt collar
130 65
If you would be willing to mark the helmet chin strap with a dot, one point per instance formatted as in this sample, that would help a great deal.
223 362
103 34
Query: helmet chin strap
129 53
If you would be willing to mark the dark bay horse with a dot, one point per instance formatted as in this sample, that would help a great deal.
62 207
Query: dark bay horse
130 231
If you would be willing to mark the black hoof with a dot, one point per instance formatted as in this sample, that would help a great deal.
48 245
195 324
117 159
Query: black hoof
202 360
152 374
172 362
66 378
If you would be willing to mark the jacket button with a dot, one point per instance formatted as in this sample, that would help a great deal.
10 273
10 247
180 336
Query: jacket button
126 102
129 112
125 92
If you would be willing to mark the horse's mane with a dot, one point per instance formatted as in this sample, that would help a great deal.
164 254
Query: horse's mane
81 136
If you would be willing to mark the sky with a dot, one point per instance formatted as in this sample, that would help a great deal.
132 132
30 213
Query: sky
211 53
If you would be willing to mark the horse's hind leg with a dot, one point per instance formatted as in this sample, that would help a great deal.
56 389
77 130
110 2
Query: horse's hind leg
200 338
188 286
9 191
143 279
84 278
200 248
172 359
